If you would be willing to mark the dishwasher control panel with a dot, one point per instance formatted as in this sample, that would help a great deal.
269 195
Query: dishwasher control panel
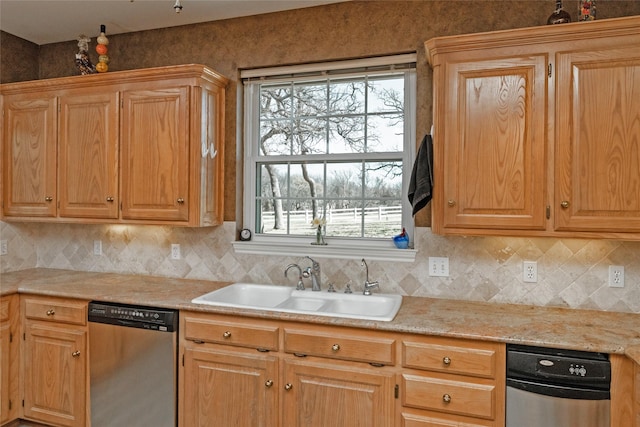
153 318
559 366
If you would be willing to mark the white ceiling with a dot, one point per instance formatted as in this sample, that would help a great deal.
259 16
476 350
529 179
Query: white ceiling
52 21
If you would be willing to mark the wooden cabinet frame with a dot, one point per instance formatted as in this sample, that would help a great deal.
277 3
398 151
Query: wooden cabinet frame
136 147
533 132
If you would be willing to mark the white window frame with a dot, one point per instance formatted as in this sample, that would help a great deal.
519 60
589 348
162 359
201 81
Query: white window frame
369 248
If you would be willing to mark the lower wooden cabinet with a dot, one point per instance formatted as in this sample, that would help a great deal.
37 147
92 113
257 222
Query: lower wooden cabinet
341 394
55 361
229 388
451 382
242 372
9 358
260 373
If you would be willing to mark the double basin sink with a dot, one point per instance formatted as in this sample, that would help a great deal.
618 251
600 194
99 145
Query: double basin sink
382 307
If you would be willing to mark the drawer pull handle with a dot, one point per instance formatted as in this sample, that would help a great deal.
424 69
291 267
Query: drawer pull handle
335 347
180 200
446 360
226 334
76 353
288 386
451 203
109 199
565 204
51 312
446 398
48 199
268 383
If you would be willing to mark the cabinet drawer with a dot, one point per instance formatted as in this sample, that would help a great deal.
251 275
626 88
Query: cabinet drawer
474 358
56 310
456 397
4 309
411 420
202 329
370 349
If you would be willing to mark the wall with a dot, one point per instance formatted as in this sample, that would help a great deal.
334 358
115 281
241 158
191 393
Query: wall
571 272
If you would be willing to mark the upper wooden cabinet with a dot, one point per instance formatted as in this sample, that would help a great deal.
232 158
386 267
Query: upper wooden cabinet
29 155
537 130
143 146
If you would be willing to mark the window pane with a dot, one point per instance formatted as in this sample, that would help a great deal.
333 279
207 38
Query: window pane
346 135
273 180
346 97
386 95
383 180
275 102
310 99
310 136
344 184
275 138
307 180
385 133
382 220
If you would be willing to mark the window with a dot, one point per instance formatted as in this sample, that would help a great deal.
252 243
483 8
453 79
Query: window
332 143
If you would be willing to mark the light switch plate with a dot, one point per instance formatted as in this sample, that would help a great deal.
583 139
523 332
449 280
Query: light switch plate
438 266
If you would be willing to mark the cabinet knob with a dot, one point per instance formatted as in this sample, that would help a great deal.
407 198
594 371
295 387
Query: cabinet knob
268 383
446 360
48 199
565 204
446 398
227 334
288 386
76 353
335 347
180 200
109 199
451 203
51 312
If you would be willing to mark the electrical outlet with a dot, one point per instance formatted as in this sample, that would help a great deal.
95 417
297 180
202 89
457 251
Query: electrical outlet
175 251
530 271
4 247
616 276
439 266
97 247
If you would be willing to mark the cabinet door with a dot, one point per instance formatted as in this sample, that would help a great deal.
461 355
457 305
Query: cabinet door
336 394
88 162
492 136
598 140
4 372
155 154
55 374
229 388
29 159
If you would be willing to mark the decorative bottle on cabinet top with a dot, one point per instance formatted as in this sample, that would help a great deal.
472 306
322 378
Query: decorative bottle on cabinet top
102 49
559 16
587 10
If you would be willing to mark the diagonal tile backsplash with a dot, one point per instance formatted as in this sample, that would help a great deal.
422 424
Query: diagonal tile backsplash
571 272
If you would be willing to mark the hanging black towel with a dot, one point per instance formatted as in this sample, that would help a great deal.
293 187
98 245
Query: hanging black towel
421 184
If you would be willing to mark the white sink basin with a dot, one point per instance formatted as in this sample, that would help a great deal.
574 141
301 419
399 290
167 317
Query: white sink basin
246 295
383 307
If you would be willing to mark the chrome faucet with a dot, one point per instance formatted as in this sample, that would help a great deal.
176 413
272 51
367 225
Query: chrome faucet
314 273
367 284
300 285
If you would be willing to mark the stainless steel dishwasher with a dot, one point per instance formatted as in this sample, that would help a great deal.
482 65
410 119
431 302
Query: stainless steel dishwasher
557 388
133 365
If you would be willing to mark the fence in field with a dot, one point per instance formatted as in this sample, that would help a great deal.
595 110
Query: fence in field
345 219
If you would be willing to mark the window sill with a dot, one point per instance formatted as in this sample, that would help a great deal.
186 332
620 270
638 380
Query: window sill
342 251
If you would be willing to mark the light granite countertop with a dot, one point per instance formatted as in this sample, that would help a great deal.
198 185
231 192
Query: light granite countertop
588 330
